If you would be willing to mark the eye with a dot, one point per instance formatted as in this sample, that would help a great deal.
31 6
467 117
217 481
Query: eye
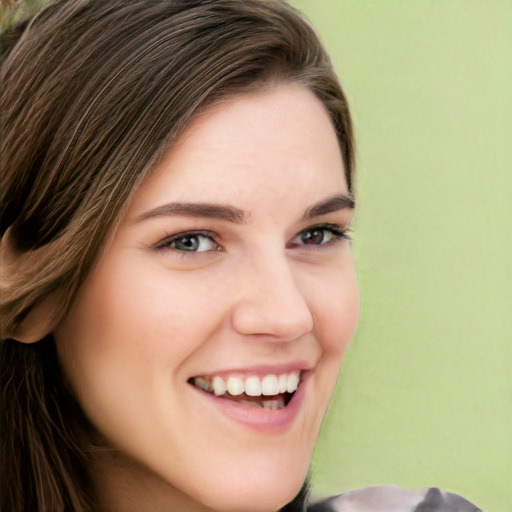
321 235
190 242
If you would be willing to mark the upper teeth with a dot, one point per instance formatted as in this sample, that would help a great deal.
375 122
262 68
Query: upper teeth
269 385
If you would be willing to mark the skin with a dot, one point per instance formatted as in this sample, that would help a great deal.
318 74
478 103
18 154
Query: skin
152 315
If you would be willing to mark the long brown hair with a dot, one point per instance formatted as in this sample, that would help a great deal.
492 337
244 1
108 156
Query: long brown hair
94 93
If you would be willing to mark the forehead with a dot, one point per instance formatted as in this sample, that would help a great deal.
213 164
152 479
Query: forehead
253 149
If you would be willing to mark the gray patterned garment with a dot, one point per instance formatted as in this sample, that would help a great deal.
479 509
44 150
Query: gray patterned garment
388 498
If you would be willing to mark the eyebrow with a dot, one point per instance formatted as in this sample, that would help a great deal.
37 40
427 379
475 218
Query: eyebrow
330 205
204 210
236 215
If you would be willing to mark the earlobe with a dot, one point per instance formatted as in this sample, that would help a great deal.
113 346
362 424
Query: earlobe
40 319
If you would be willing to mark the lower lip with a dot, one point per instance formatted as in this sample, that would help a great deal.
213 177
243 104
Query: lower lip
264 420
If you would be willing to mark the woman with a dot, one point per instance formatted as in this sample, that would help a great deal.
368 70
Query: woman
178 290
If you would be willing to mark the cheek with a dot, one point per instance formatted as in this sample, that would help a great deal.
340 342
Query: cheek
337 310
123 345
138 329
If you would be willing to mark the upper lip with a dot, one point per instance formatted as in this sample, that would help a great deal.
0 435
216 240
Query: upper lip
261 370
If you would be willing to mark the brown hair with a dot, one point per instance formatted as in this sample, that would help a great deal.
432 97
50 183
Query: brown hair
94 93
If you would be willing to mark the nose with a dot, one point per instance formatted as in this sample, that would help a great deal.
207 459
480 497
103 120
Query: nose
269 301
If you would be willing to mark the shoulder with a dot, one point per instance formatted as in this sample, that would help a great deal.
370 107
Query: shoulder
386 498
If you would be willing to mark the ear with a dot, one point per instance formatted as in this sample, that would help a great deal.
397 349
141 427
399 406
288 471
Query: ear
40 320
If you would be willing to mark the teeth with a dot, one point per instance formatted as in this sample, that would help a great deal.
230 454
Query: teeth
292 382
251 404
235 386
273 405
283 383
219 386
253 386
269 385
202 383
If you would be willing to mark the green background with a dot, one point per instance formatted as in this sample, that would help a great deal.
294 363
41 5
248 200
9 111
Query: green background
425 393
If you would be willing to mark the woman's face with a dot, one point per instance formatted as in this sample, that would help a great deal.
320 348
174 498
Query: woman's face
231 270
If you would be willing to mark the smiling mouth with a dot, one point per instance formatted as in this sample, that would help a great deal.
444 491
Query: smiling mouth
272 392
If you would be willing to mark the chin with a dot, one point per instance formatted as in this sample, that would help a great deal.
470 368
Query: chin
255 489
270 497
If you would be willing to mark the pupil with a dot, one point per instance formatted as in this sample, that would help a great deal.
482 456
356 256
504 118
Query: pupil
315 236
187 243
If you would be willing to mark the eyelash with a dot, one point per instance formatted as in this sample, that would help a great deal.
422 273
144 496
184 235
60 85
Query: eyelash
337 233
167 242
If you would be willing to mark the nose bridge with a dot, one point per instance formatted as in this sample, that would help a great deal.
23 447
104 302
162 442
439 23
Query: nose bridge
270 301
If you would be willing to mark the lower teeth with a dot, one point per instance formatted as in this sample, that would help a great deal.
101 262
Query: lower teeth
272 405
251 404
